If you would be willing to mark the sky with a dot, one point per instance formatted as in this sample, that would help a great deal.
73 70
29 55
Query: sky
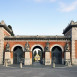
37 50
38 17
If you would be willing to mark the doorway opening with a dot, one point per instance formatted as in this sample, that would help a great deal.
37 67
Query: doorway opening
37 55
17 54
57 55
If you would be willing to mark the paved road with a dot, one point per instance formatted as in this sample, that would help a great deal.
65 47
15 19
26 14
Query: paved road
42 71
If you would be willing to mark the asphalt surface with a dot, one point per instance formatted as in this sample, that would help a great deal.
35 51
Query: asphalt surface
38 71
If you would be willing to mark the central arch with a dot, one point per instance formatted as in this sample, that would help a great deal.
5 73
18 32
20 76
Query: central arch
37 54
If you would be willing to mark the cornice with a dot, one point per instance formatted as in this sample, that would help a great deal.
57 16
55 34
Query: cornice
37 38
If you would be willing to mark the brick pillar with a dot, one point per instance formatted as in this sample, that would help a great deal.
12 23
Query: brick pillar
8 57
67 57
31 57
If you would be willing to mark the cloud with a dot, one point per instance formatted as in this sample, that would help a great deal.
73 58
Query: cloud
44 0
68 8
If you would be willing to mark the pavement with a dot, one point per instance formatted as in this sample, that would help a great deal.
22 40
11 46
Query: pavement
37 70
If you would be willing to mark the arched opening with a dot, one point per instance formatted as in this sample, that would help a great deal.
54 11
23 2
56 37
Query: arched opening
17 54
37 54
57 55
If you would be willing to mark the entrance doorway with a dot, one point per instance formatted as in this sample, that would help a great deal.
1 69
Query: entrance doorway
57 55
17 54
37 55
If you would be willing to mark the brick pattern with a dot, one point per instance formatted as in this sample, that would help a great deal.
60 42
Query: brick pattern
31 43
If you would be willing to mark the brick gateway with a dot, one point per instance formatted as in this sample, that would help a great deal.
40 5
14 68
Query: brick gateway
58 48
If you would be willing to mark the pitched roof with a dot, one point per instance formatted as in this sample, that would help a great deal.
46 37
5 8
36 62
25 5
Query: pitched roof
2 24
72 24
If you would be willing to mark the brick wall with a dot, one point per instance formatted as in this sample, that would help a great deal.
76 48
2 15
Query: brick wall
31 43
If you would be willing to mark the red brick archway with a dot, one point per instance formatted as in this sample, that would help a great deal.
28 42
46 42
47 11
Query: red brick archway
42 44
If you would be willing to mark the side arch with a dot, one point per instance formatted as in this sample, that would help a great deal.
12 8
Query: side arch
17 45
61 49
58 46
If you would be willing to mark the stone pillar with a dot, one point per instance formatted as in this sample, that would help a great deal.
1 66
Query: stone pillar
20 64
47 54
67 58
6 62
1 44
27 60
53 65
47 58
67 55
7 57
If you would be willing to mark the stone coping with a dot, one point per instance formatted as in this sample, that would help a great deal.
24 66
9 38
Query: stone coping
37 38
7 28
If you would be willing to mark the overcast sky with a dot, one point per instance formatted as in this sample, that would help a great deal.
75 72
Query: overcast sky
38 17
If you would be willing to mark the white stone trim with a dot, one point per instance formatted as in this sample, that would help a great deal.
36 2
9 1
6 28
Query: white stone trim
7 31
17 45
37 45
1 44
57 45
